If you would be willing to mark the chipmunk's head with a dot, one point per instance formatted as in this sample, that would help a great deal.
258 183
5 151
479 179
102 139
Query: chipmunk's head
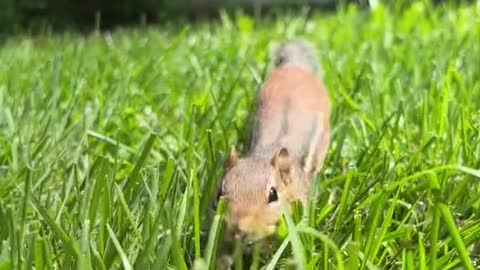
252 187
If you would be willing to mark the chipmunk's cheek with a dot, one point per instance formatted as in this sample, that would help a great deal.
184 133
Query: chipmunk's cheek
275 213
270 229
230 224
275 216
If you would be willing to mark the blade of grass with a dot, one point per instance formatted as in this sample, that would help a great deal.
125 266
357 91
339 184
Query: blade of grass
71 244
453 231
196 213
422 263
213 235
118 246
434 238
343 200
278 254
353 262
326 241
133 178
128 213
297 246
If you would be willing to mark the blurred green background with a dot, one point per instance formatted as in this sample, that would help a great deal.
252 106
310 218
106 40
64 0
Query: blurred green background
18 15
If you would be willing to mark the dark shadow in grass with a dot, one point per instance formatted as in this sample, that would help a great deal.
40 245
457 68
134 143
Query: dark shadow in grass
84 17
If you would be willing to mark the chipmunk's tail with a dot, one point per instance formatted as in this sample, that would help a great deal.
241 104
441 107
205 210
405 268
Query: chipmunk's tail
297 53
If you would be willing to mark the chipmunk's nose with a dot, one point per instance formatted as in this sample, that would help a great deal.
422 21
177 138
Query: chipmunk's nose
239 234
245 239
243 236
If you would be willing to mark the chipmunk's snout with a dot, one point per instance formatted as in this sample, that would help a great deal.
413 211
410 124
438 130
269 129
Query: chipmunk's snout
245 238
250 229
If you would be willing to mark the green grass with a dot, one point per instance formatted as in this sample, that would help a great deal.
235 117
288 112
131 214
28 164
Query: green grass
112 145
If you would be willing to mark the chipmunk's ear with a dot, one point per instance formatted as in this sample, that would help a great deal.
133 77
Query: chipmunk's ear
282 163
232 159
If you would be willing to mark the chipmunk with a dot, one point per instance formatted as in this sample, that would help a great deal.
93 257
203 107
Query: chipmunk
288 145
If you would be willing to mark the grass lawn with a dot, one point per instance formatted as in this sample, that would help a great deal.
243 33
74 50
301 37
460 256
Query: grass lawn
112 145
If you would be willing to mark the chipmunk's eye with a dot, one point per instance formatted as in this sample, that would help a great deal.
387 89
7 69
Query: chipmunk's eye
272 195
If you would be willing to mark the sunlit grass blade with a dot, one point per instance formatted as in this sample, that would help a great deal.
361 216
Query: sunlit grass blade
326 241
276 257
434 239
422 264
196 214
297 246
453 231
214 234
353 261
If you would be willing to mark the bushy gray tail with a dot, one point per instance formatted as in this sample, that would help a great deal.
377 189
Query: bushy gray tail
297 53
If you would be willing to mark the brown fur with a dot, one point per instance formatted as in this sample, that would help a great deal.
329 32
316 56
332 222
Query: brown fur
289 144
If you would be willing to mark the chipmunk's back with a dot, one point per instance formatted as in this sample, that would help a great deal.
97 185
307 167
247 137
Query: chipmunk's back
293 111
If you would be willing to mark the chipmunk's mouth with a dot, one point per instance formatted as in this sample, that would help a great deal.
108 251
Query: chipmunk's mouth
248 243
236 240
249 238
